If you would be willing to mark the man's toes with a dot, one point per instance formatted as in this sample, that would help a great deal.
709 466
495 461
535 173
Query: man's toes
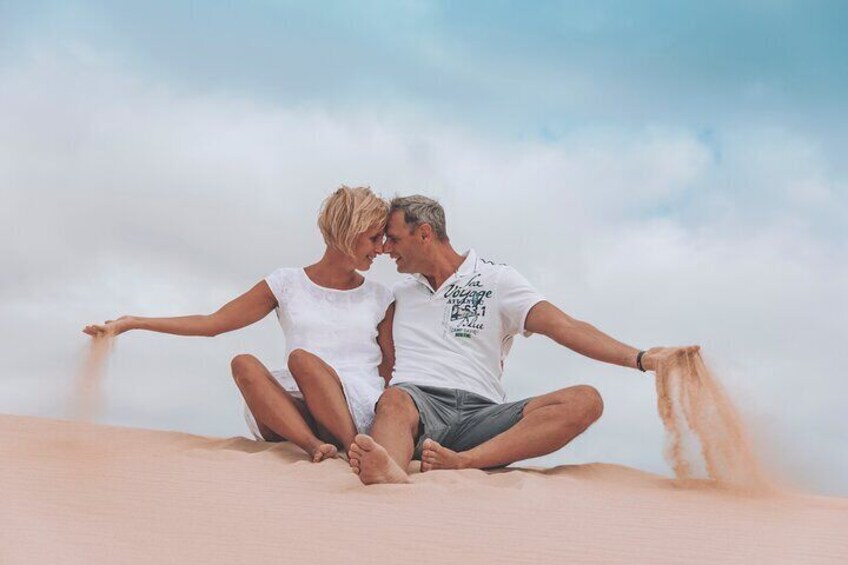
425 466
431 446
364 442
354 464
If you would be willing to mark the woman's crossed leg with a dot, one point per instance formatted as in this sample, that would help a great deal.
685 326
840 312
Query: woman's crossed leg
278 414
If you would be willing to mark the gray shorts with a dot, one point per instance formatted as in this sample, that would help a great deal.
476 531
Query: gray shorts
458 419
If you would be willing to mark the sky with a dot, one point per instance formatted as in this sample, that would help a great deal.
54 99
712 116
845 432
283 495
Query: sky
670 172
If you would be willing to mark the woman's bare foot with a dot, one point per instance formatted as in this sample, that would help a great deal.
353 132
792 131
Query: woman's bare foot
372 462
434 456
324 451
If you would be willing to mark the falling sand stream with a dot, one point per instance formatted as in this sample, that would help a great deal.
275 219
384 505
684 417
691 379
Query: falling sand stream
694 406
85 402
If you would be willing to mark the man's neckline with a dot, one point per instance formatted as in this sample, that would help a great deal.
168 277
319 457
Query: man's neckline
468 265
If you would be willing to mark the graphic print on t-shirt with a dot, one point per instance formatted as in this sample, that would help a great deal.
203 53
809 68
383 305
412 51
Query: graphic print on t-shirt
465 313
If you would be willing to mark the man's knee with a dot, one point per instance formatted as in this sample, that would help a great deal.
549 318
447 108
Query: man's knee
589 403
397 404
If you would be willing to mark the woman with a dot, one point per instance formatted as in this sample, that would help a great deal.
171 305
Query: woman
338 334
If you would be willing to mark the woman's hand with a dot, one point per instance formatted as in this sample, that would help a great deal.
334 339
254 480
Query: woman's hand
110 327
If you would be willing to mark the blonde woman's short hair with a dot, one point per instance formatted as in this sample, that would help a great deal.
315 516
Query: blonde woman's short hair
349 212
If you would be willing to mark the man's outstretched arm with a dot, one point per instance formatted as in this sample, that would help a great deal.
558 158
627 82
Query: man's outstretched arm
546 319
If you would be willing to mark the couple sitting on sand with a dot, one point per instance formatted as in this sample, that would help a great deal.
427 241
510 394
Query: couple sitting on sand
418 367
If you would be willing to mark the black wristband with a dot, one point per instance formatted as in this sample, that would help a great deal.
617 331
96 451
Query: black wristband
639 361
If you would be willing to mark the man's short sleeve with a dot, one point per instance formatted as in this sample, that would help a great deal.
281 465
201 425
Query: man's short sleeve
516 297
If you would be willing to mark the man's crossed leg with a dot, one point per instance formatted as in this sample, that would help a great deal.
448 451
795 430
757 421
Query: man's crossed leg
545 424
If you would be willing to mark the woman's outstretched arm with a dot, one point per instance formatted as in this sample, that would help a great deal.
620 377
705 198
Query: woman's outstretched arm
387 344
247 309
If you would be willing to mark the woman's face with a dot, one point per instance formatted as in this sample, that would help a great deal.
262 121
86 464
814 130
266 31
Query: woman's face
366 247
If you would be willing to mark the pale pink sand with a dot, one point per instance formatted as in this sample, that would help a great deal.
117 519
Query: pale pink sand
83 493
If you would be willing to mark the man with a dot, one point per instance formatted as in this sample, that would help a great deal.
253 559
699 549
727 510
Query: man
454 322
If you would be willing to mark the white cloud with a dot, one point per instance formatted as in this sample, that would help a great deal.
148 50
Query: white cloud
122 196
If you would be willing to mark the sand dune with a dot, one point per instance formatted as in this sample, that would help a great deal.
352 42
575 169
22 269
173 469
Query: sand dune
84 493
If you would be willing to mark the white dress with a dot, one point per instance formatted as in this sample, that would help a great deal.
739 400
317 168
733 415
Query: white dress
340 327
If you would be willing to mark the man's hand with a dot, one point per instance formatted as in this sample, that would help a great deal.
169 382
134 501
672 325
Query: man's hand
656 355
110 327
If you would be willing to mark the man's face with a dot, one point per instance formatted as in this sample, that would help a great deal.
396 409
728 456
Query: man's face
401 245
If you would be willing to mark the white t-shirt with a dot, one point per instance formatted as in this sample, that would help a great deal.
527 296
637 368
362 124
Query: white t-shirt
459 335
339 326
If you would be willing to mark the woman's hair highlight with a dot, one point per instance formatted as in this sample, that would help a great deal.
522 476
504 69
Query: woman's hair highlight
349 212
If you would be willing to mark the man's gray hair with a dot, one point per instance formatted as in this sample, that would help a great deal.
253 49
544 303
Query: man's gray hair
419 210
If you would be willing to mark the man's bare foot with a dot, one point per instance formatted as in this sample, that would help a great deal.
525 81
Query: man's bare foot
324 451
372 462
434 456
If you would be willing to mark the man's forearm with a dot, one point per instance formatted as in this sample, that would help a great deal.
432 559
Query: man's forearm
586 339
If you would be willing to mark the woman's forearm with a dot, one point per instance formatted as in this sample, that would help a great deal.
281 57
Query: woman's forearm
199 325
248 308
